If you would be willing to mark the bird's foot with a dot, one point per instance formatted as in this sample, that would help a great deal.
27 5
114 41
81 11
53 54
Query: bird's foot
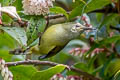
42 57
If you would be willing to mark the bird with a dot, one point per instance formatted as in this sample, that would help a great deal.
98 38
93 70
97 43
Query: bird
57 36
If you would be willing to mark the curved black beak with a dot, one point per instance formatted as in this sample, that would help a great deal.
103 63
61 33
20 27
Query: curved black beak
87 28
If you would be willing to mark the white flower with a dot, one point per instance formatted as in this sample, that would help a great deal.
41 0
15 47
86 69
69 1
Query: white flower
37 7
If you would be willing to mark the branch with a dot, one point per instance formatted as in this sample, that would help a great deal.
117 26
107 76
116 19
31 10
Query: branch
23 23
115 28
37 62
54 16
104 11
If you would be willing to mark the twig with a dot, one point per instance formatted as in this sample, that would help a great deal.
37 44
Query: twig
115 28
37 62
108 9
47 22
111 10
54 16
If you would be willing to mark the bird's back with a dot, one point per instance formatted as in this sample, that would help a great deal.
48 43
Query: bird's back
50 39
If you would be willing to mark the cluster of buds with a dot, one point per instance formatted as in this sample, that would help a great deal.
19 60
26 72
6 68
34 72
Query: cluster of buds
71 77
86 21
80 52
37 7
58 77
6 74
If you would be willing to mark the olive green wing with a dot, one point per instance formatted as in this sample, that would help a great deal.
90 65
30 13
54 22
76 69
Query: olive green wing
53 52
43 49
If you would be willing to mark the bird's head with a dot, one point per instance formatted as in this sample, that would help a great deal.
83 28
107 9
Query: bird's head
76 27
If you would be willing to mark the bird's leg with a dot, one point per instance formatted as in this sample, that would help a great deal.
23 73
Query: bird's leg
42 57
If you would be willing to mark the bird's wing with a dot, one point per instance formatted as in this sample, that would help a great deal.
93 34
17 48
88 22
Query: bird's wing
51 53
43 49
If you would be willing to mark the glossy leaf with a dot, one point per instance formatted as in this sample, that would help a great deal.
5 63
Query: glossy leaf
47 74
4 54
109 20
22 72
117 76
59 10
17 33
36 26
96 4
113 67
91 5
7 42
81 66
77 11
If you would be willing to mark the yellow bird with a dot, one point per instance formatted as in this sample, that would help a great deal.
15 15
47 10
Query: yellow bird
56 37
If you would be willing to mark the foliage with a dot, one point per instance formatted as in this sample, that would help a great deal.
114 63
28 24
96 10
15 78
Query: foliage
51 71
94 52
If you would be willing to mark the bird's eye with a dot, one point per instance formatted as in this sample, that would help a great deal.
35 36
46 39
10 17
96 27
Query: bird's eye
77 26
74 29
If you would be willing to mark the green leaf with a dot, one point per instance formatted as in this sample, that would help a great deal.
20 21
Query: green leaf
66 4
91 5
7 42
34 43
4 54
117 76
113 67
1 78
99 16
5 2
18 4
96 4
81 66
17 33
77 11
22 72
36 26
47 74
91 63
82 1
95 71
109 20
6 18
59 10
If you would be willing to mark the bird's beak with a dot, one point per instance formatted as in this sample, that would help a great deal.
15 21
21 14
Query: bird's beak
87 28
83 28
